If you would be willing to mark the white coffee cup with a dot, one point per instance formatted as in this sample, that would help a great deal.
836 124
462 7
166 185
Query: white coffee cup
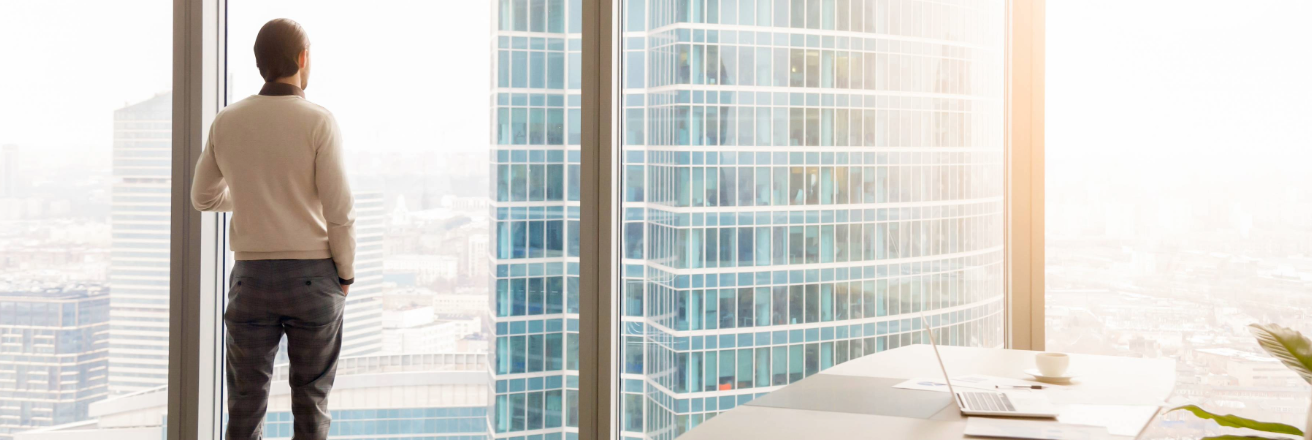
1052 364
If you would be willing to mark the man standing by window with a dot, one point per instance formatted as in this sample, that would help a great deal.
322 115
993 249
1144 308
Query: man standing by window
275 161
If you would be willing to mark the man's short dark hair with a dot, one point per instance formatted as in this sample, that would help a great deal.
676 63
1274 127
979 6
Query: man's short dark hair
277 47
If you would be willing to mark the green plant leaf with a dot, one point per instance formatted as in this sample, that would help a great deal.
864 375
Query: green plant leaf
1234 421
1289 346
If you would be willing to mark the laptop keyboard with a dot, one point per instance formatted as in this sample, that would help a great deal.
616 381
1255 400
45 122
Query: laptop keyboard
992 402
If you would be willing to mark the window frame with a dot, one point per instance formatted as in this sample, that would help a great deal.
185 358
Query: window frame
599 253
1024 175
197 255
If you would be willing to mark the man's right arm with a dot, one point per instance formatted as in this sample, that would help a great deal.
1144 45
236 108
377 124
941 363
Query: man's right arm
209 191
335 194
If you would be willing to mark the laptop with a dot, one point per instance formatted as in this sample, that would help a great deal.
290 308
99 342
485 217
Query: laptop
993 403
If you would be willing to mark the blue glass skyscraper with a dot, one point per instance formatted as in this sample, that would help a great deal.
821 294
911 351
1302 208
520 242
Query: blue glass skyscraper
535 207
801 180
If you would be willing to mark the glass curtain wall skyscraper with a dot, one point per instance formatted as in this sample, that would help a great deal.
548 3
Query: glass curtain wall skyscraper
362 331
801 180
139 263
536 86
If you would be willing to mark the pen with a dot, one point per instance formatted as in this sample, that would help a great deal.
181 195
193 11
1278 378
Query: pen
1020 387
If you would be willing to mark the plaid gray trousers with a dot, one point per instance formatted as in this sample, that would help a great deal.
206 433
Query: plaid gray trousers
267 299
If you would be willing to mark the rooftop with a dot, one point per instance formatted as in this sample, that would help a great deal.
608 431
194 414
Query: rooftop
71 292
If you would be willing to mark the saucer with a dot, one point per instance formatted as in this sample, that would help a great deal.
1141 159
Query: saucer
1059 380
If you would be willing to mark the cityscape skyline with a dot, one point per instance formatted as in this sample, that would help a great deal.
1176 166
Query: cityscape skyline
734 159
1177 212
382 231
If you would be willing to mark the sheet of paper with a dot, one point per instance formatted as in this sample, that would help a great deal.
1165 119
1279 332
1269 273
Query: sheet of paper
973 381
1125 420
922 384
1031 429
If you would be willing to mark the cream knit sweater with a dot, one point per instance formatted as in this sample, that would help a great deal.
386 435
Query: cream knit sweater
276 163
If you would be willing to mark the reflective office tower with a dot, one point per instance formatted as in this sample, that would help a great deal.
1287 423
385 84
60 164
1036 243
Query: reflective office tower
802 179
55 344
139 262
535 210
362 331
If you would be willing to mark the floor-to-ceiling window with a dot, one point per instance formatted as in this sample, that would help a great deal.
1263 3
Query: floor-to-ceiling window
462 125
414 86
85 151
462 129
1178 209
802 179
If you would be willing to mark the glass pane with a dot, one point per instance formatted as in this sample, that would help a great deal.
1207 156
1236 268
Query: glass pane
466 191
841 183
85 177
1175 222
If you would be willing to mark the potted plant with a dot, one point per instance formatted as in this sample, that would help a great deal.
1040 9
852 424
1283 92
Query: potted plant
1292 349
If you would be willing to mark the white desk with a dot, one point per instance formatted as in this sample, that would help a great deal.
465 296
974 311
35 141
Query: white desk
815 414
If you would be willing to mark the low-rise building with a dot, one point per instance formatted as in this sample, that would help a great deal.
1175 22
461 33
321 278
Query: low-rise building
53 356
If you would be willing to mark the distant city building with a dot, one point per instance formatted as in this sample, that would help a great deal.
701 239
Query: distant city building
417 330
476 256
400 212
1247 369
44 256
464 203
9 167
421 269
139 264
54 346
460 304
362 332
408 317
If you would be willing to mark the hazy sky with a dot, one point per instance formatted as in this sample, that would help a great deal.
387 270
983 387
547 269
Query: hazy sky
398 74
67 65
1167 88
1178 93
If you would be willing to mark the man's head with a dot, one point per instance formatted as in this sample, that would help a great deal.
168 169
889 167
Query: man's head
282 52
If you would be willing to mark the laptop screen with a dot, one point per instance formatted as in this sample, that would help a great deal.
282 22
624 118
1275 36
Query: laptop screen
933 343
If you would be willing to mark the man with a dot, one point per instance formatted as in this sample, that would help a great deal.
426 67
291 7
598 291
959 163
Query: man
275 161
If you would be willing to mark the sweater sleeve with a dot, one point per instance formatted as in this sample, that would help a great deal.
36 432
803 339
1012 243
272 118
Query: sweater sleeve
209 190
335 195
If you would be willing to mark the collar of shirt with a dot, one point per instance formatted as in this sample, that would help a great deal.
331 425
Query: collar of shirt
281 89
